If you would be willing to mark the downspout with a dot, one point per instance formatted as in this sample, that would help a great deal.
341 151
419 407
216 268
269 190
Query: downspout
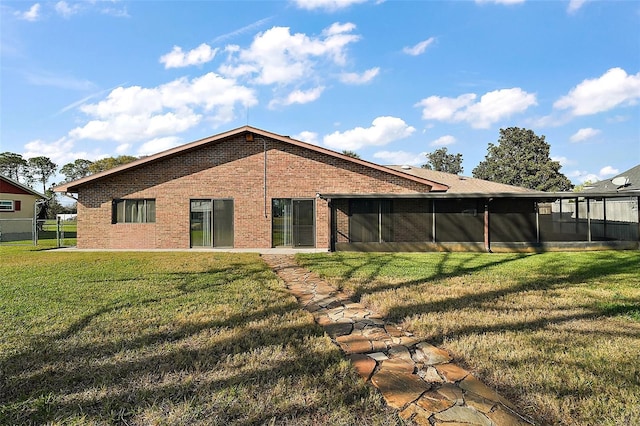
487 239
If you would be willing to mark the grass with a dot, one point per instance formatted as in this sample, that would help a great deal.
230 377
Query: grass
558 333
166 338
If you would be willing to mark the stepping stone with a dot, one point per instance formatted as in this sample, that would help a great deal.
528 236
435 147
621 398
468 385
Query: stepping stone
430 374
353 344
338 329
463 415
434 402
451 392
430 354
398 365
472 384
479 403
502 417
378 356
416 414
400 352
451 372
393 330
398 389
363 364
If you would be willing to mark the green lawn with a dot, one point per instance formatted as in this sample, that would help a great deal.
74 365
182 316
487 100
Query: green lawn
166 338
558 333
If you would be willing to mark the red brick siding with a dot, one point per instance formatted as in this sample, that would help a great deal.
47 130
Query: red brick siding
233 169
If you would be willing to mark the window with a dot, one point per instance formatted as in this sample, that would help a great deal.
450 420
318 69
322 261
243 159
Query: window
134 211
293 222
6 206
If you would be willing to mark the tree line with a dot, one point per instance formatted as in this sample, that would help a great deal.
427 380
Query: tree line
40 170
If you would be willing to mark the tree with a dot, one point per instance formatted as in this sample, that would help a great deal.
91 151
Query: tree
76 170
521 158
40 169
110 162
351 154
442 161
12 165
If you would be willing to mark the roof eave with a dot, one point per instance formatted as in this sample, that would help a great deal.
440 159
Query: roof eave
72 187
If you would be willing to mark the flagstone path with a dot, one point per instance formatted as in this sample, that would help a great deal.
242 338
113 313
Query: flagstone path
416 378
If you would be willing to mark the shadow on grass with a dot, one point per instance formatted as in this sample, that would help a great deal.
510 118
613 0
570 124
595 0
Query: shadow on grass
204 368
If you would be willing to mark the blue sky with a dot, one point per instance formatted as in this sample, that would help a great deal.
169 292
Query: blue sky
390 80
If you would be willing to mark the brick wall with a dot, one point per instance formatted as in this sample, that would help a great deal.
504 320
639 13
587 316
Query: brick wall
231 168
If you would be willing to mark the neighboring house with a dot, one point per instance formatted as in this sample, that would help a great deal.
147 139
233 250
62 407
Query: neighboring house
249 188
626 181
17 210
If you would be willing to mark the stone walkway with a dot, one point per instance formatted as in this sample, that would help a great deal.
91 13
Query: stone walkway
414 377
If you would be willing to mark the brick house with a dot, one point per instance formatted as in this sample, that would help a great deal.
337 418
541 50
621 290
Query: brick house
17 210
249 188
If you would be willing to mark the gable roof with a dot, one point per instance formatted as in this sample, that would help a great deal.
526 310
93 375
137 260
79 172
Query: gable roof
607 185
71 187
461 184
10 186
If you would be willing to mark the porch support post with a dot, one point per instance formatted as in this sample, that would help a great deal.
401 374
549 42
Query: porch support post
487 239
588 221
537 207
332 225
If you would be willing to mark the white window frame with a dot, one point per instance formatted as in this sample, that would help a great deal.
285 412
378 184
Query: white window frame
7 203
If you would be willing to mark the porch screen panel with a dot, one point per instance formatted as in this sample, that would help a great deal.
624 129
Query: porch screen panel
363 222
223 223
459 220
512 220
370 221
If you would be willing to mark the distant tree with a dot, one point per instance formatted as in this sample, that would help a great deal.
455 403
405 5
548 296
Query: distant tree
110 162
351 154
442 161
12 165
40 169
521 158
582 186
76 170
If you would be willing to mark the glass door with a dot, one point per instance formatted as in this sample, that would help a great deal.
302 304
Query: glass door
211 223
293 222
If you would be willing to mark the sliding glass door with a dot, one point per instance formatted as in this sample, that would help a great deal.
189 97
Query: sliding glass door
293 222
211 223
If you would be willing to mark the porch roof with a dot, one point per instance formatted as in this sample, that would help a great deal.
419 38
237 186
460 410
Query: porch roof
536 195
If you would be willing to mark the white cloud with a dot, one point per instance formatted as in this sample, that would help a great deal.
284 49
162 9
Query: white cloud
278 57
575 5
355 78
382 131
608 171
306 136
492 107
123 148
159 144
583 134
30 15
614 88
299 97
60 152
179 59
328 5
564 161
419 48
444 141
400 158
584 176
134 113
65 10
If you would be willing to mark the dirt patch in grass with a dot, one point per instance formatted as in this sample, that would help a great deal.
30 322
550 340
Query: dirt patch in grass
558 333
166 338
